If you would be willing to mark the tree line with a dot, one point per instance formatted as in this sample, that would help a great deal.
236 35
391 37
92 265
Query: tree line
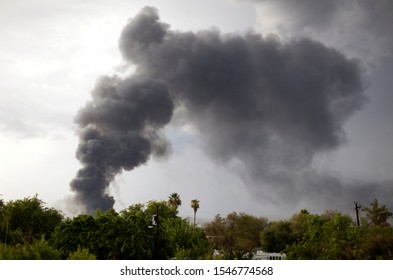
154 230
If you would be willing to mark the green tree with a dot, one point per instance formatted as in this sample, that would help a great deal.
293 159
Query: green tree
246 229
277 236
328 236
298 224
195 207
108 235
377 215
73 233
377 244
218 234
161 208
25 220
236 235
188 241
151 231
174 201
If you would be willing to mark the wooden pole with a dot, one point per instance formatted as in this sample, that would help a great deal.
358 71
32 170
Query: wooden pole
357 208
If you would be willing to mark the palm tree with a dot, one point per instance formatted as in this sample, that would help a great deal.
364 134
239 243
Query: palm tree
195 206
174 200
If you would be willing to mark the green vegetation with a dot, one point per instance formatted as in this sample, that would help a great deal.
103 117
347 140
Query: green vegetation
29 230
26 220
236 235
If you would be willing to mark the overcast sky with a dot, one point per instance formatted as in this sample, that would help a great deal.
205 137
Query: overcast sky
252 139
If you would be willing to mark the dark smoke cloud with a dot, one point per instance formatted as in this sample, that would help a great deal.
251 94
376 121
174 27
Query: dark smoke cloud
119 129
270 105
360 28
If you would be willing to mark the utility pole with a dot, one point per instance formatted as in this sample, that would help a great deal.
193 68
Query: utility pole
357 208
6 234
158 233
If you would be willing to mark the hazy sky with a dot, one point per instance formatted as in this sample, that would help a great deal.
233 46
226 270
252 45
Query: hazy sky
324 142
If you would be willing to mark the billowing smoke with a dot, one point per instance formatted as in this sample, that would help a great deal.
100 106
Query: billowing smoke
119 129
269 105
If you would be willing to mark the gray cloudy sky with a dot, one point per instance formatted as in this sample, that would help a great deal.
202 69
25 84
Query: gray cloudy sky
264 107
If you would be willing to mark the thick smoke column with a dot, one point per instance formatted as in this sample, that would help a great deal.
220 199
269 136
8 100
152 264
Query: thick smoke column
269 104
119 129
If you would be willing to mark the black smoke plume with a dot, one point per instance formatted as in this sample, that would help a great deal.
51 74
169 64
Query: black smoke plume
269 104
119 129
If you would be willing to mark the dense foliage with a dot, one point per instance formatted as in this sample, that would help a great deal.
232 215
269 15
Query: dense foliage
26 220
331 235
139 232
336 236
29 230
236 235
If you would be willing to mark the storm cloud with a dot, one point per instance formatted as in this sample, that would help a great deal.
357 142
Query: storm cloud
267 106
361 27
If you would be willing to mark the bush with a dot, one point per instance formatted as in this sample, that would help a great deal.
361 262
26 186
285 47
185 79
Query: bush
81 254
37 250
